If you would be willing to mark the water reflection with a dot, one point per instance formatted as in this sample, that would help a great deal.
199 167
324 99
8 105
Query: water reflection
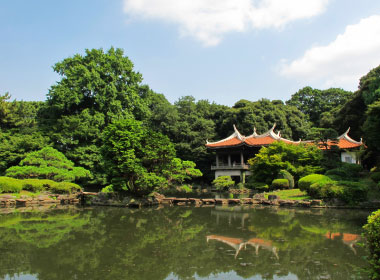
238 243
182 242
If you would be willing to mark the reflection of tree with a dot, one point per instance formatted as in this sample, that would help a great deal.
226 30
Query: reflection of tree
113 243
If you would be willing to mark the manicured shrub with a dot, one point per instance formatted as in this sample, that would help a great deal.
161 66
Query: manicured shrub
345 171
37 185
325 190
10 185
372 235
305 182
223 182
259 186
284 174
346 191
280 184
64 187
353 191
375 176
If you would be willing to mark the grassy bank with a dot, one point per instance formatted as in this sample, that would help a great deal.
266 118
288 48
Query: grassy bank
293 194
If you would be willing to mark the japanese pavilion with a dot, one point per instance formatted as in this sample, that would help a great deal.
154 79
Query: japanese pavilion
233 152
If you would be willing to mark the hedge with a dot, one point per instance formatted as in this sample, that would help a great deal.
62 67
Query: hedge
259 186
305 182
280 184
372 235
285 174
346 170
321 186
12 185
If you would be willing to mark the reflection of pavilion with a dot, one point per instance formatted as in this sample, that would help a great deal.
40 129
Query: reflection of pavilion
237 213
347 238
238 244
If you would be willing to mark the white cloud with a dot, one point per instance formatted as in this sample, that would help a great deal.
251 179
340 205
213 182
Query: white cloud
209 20
342 62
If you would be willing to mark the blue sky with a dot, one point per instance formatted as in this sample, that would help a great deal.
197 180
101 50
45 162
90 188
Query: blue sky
220 50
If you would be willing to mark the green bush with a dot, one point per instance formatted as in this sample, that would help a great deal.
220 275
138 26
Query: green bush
347 191
284 174
259 186
223 182
305 182
37 185
280 184
64 187
10 185
353 191
375 176
345 171
372 235
186 188
107 189
325 190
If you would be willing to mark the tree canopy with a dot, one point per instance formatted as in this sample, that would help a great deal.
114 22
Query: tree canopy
140 160
47 163
299 160
317 104
95 89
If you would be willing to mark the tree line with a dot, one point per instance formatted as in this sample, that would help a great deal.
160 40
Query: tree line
100 94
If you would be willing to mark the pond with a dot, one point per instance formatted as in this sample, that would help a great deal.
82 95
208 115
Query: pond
242 242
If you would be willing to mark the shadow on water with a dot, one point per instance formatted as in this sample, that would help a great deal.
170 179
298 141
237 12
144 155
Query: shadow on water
242 242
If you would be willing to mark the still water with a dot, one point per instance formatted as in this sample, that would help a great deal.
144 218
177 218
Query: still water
182 243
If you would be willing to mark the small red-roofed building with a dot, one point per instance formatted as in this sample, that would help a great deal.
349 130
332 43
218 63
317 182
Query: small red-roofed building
233 152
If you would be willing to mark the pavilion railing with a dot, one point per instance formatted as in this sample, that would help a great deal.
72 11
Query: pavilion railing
232 166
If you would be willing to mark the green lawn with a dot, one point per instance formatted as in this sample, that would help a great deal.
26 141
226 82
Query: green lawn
293 194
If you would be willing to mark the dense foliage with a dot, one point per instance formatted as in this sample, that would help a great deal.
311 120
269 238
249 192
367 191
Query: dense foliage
372 234
223 182
299 160
280 184
48 163
322 186
12 185
139 160
319 105
95 89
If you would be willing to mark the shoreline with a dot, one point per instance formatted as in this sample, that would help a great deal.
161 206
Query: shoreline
106 200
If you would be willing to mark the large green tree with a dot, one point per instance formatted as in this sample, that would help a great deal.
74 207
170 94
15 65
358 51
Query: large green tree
299 160
139 160
262 115
319 105
361 113
95 89
19 132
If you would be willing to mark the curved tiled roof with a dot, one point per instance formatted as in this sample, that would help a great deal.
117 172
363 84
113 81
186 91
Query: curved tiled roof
237 139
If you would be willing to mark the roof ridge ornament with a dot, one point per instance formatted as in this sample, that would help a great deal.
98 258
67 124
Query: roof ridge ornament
238 135
273 127
254 131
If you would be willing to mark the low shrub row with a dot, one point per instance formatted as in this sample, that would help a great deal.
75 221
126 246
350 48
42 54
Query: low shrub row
322 186
280 184
283 180
12 185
